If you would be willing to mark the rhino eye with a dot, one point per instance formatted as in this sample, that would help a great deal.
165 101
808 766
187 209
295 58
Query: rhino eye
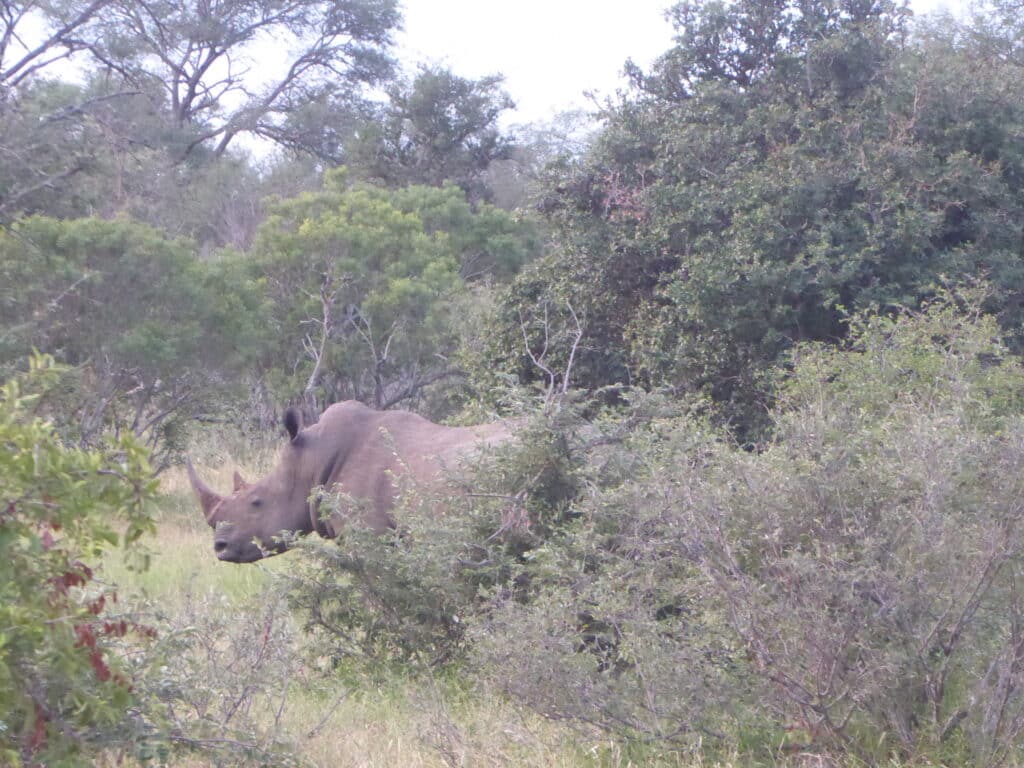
257 502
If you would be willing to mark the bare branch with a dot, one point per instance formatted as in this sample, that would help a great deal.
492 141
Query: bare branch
572 352
30 62
327 299
539 360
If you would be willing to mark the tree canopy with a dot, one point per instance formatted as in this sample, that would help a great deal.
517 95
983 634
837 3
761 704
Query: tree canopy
156 332
783 164
436 128
363 282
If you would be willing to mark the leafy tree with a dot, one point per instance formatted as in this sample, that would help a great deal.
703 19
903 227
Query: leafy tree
436 128
541 153
63 692
324 130
784 163
192 52
186 57
154 331
996 26
363 280
47 127
39 151
81 150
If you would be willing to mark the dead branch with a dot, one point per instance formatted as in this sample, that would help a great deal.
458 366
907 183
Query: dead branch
551 390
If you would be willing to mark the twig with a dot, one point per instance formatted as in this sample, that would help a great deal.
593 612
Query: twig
323 720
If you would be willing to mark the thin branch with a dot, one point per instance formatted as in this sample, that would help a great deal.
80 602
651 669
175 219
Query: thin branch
539 361
315 730
572 352
28 63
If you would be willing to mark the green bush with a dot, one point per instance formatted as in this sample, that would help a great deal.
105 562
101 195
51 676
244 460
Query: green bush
64 691
853 589
617 631
868 560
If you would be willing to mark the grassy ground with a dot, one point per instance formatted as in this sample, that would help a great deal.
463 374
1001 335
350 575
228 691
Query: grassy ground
396 722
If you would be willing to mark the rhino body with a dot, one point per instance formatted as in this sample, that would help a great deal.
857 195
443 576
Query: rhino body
352 449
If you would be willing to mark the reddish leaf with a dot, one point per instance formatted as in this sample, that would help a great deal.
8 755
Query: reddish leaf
99 666
38 737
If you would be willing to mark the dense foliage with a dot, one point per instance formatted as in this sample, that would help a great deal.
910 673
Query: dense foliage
437 128
63 694
157 333
363 283
784 163
758 331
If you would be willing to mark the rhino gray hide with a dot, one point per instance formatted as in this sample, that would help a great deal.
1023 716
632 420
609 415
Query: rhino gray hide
352 449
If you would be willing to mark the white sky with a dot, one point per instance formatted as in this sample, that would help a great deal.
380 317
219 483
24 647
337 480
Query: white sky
550 51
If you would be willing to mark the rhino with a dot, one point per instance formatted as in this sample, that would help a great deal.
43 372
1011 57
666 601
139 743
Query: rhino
361 453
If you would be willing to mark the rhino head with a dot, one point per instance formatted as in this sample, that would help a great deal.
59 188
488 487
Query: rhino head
249 522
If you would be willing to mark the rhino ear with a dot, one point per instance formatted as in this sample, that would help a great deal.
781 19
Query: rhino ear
239 482
293 422
208 498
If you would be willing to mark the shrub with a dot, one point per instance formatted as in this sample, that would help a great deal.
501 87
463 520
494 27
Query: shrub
220 684
868 560
618 633
851 589
63 690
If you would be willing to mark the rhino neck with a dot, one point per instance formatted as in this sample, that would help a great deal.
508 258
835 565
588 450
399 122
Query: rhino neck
324 479
294 488
314 470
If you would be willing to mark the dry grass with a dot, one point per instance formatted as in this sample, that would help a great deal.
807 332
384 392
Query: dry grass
420 725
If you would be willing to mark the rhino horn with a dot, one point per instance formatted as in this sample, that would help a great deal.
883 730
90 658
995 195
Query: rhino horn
239 481
208 498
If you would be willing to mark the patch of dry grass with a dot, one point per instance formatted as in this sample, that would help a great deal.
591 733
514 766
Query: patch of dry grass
420 724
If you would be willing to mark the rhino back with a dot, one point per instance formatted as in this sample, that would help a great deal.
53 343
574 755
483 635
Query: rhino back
363 452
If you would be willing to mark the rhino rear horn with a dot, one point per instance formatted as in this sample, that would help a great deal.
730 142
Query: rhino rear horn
208 498
239 481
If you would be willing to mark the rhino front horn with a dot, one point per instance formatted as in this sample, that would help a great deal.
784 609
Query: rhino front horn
208 498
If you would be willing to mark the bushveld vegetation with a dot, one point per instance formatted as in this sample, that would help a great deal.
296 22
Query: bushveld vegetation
759 334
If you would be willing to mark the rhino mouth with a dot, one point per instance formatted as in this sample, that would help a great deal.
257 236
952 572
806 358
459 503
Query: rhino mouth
246 552
230 552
